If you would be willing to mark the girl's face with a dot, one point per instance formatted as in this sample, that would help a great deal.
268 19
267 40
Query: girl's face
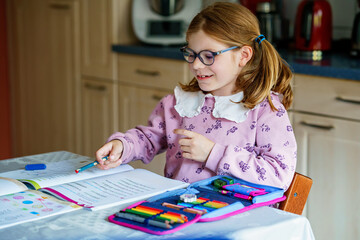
219 78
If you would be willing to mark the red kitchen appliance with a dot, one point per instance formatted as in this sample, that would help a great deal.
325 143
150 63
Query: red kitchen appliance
313 26
252 4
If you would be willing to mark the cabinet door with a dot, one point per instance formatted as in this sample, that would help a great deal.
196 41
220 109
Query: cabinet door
63 82
328 152
103 23
27 102
327 96
136 105
97 59
152 72
45 75
99 113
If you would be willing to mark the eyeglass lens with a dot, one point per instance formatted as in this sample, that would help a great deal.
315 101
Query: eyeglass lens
206 57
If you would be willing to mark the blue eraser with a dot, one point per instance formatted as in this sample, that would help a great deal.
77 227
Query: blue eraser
31 167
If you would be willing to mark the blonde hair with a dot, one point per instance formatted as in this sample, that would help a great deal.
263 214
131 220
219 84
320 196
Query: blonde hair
266 71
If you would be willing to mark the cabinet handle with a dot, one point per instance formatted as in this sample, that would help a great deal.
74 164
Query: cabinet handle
156 97
148 73
315 125
99 88
348 100
59 6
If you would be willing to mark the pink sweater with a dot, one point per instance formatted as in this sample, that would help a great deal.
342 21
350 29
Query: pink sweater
261 148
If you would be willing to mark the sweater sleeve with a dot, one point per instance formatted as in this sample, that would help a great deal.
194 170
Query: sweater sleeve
144 142
270 160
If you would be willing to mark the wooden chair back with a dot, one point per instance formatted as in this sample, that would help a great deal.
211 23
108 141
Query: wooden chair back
297 194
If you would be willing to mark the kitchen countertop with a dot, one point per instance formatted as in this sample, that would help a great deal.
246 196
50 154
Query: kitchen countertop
335 65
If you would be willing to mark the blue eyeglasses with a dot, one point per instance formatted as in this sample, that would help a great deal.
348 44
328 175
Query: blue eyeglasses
206 57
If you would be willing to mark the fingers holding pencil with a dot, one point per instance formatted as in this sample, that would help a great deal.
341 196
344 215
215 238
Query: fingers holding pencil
114 150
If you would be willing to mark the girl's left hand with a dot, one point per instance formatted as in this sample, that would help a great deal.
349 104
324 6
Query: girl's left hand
194 146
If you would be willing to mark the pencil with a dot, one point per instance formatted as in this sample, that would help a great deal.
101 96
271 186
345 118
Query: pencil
155 211
162 215
90 165
139 219
142 214
158 219
195 211
189 210
173 206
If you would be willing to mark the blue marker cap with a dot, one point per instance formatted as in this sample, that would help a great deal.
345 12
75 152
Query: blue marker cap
31 167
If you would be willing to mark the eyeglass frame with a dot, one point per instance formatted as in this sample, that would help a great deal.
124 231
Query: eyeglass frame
197 55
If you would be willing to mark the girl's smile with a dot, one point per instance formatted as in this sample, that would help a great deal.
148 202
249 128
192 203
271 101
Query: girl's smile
203 77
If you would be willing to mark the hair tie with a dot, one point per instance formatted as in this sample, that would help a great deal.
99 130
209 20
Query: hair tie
260 38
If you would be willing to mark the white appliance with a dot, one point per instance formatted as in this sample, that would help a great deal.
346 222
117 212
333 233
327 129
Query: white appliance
153 27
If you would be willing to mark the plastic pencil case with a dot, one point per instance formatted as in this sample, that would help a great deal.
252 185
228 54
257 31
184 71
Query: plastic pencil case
206 193
150 225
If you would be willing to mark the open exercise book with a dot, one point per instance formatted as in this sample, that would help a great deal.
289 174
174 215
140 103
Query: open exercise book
92 189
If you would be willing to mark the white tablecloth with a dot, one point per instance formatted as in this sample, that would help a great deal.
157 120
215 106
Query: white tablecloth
260 223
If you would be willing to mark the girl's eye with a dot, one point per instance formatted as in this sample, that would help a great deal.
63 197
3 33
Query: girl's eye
207 55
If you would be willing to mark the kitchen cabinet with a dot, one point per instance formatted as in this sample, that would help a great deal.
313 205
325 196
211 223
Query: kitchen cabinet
45 75
96 39
5 121
326 122
56 47
103 23
143 82
136 105
99 113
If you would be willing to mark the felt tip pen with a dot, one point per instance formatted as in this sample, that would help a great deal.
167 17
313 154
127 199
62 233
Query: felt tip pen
90 165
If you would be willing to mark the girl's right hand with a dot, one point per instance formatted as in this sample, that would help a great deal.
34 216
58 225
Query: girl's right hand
114 150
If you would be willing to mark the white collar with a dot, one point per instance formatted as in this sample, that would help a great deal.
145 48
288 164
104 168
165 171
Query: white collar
189 104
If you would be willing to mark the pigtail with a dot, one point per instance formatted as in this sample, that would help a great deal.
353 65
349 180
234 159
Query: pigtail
283 83
265 72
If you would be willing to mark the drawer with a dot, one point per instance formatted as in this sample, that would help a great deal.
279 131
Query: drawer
152 72
327 96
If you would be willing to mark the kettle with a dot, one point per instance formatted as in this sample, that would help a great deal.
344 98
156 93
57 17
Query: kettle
355 36
313 26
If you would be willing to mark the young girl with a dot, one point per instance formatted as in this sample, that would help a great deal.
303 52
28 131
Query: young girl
230 119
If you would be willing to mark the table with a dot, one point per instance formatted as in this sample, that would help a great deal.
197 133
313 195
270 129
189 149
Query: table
260 223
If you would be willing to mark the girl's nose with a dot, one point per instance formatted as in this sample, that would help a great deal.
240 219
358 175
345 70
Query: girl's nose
197 64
